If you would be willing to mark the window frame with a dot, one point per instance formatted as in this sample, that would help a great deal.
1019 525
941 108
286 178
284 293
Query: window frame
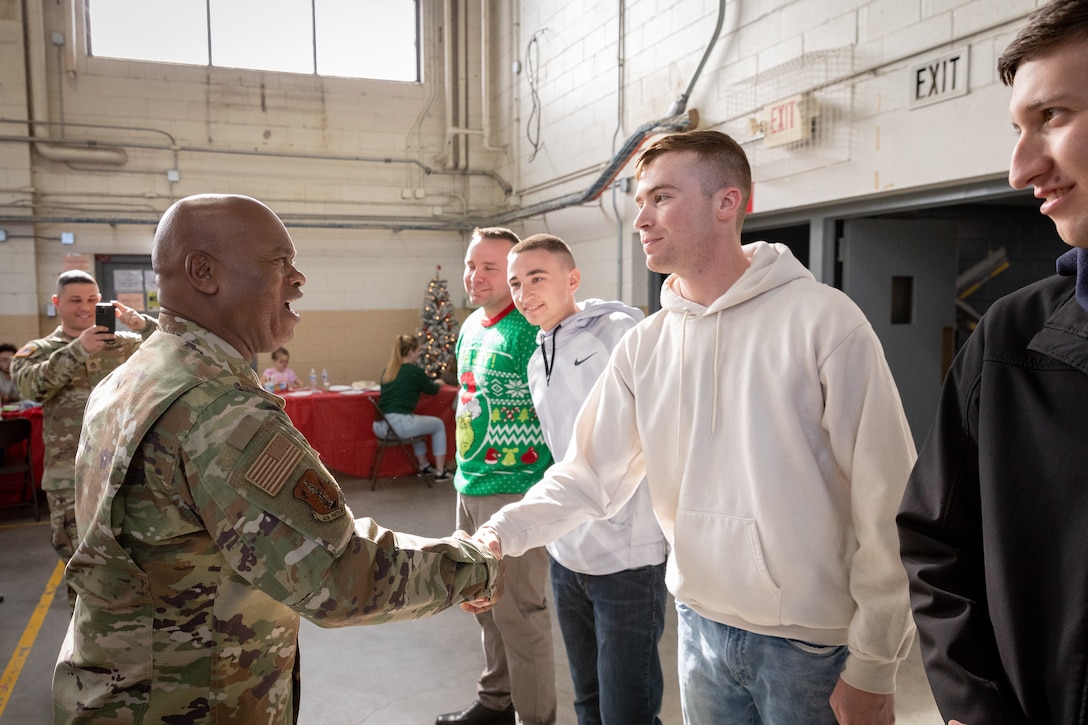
313 40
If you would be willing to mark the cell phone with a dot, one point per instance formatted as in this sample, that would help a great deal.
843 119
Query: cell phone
106 314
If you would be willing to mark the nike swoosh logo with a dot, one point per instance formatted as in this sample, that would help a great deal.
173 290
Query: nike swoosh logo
579 362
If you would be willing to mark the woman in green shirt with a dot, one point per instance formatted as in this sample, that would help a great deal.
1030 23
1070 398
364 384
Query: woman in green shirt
402 382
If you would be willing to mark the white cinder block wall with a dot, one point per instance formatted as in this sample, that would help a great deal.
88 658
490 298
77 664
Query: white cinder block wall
584 97
316 149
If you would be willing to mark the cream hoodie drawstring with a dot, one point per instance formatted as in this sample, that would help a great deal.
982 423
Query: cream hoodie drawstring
680 387
717 351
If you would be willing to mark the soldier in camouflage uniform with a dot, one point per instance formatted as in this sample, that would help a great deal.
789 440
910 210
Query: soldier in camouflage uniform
210 524
59 372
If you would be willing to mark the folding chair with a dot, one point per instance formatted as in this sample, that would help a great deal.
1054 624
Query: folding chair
12 432
392 438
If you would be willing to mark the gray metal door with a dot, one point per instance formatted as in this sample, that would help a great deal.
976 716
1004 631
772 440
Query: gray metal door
902 273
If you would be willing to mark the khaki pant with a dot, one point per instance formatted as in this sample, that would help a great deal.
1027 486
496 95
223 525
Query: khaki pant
519 664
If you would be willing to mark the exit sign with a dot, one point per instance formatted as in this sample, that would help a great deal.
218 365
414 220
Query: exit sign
788 121
938 79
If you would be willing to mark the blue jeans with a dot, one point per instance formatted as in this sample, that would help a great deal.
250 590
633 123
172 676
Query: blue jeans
409 424
729 676
611 626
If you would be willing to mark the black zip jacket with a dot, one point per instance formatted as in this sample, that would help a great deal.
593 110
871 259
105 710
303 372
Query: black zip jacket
994 523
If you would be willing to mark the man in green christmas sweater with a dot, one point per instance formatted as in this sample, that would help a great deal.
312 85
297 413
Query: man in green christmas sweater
500 454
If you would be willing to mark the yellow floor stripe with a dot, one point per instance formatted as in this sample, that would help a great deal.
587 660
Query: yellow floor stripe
26 642
21 524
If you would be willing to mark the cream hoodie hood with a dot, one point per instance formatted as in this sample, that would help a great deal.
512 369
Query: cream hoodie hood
768 269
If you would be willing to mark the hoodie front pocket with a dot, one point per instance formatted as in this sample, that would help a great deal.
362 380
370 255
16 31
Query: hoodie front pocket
722 567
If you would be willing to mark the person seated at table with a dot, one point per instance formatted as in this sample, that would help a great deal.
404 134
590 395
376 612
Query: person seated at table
282 377
9 392
402 382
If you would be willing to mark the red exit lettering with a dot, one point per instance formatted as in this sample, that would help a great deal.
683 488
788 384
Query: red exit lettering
783 117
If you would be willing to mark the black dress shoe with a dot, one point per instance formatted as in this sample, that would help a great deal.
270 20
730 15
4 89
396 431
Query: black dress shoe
477 714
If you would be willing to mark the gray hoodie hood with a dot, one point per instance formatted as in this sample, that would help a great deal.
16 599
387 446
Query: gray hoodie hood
588 311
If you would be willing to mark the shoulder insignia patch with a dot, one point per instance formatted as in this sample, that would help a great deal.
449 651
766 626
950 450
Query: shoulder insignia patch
271 469
27 350
243 433
322 496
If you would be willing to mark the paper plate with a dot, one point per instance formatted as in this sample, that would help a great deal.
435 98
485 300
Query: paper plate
298 393
339 388
351 391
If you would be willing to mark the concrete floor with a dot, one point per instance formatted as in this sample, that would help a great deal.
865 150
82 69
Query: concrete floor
395 674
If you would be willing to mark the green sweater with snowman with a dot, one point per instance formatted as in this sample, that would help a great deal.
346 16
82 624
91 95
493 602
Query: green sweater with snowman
500 446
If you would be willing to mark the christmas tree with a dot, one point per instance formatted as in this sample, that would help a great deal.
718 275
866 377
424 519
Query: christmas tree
438 330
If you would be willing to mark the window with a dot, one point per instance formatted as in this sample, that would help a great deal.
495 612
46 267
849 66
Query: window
349 38
902 300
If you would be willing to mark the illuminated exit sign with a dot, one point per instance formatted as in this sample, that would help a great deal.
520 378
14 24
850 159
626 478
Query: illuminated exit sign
788 121
938 79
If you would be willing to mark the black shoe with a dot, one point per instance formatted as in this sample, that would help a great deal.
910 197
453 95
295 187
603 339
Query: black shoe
477 714
442 476
427 470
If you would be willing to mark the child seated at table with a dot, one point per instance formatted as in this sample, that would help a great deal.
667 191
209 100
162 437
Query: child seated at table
402 382
279 376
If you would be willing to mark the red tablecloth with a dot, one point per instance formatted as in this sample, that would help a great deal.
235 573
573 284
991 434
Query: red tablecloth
339 427
9 494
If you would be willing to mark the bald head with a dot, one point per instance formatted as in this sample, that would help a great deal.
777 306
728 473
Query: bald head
204 222
226 262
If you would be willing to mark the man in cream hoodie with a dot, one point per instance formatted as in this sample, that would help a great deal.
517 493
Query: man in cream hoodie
760 408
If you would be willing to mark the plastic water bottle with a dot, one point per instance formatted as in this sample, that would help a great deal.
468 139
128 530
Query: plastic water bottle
313 379
325 379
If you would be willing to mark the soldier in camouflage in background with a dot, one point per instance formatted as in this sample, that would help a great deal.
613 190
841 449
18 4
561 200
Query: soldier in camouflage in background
209 523
59 372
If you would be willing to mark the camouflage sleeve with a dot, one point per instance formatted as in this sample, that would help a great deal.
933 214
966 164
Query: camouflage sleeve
150 327
279 518
131 340
41 370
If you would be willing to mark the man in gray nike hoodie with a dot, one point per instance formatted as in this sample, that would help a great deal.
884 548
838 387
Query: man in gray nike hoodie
608 576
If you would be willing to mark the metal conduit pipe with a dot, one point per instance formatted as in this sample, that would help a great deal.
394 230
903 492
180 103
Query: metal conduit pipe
680 122
506 187
681 103
485 76
677 120
175 149
621 60
141 129
413 224
53 149
85 153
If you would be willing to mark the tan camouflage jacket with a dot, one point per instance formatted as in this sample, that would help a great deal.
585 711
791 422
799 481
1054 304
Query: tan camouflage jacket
58 373
209 525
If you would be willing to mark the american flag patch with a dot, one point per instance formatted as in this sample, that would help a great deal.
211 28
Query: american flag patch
269 472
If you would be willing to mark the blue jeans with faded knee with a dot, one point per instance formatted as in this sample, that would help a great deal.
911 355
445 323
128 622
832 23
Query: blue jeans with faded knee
408 425
611 627
730 676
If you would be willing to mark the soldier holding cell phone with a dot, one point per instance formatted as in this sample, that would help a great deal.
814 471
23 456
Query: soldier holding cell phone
59 371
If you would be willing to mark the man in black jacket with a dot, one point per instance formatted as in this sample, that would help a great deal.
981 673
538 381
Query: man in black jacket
994 523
